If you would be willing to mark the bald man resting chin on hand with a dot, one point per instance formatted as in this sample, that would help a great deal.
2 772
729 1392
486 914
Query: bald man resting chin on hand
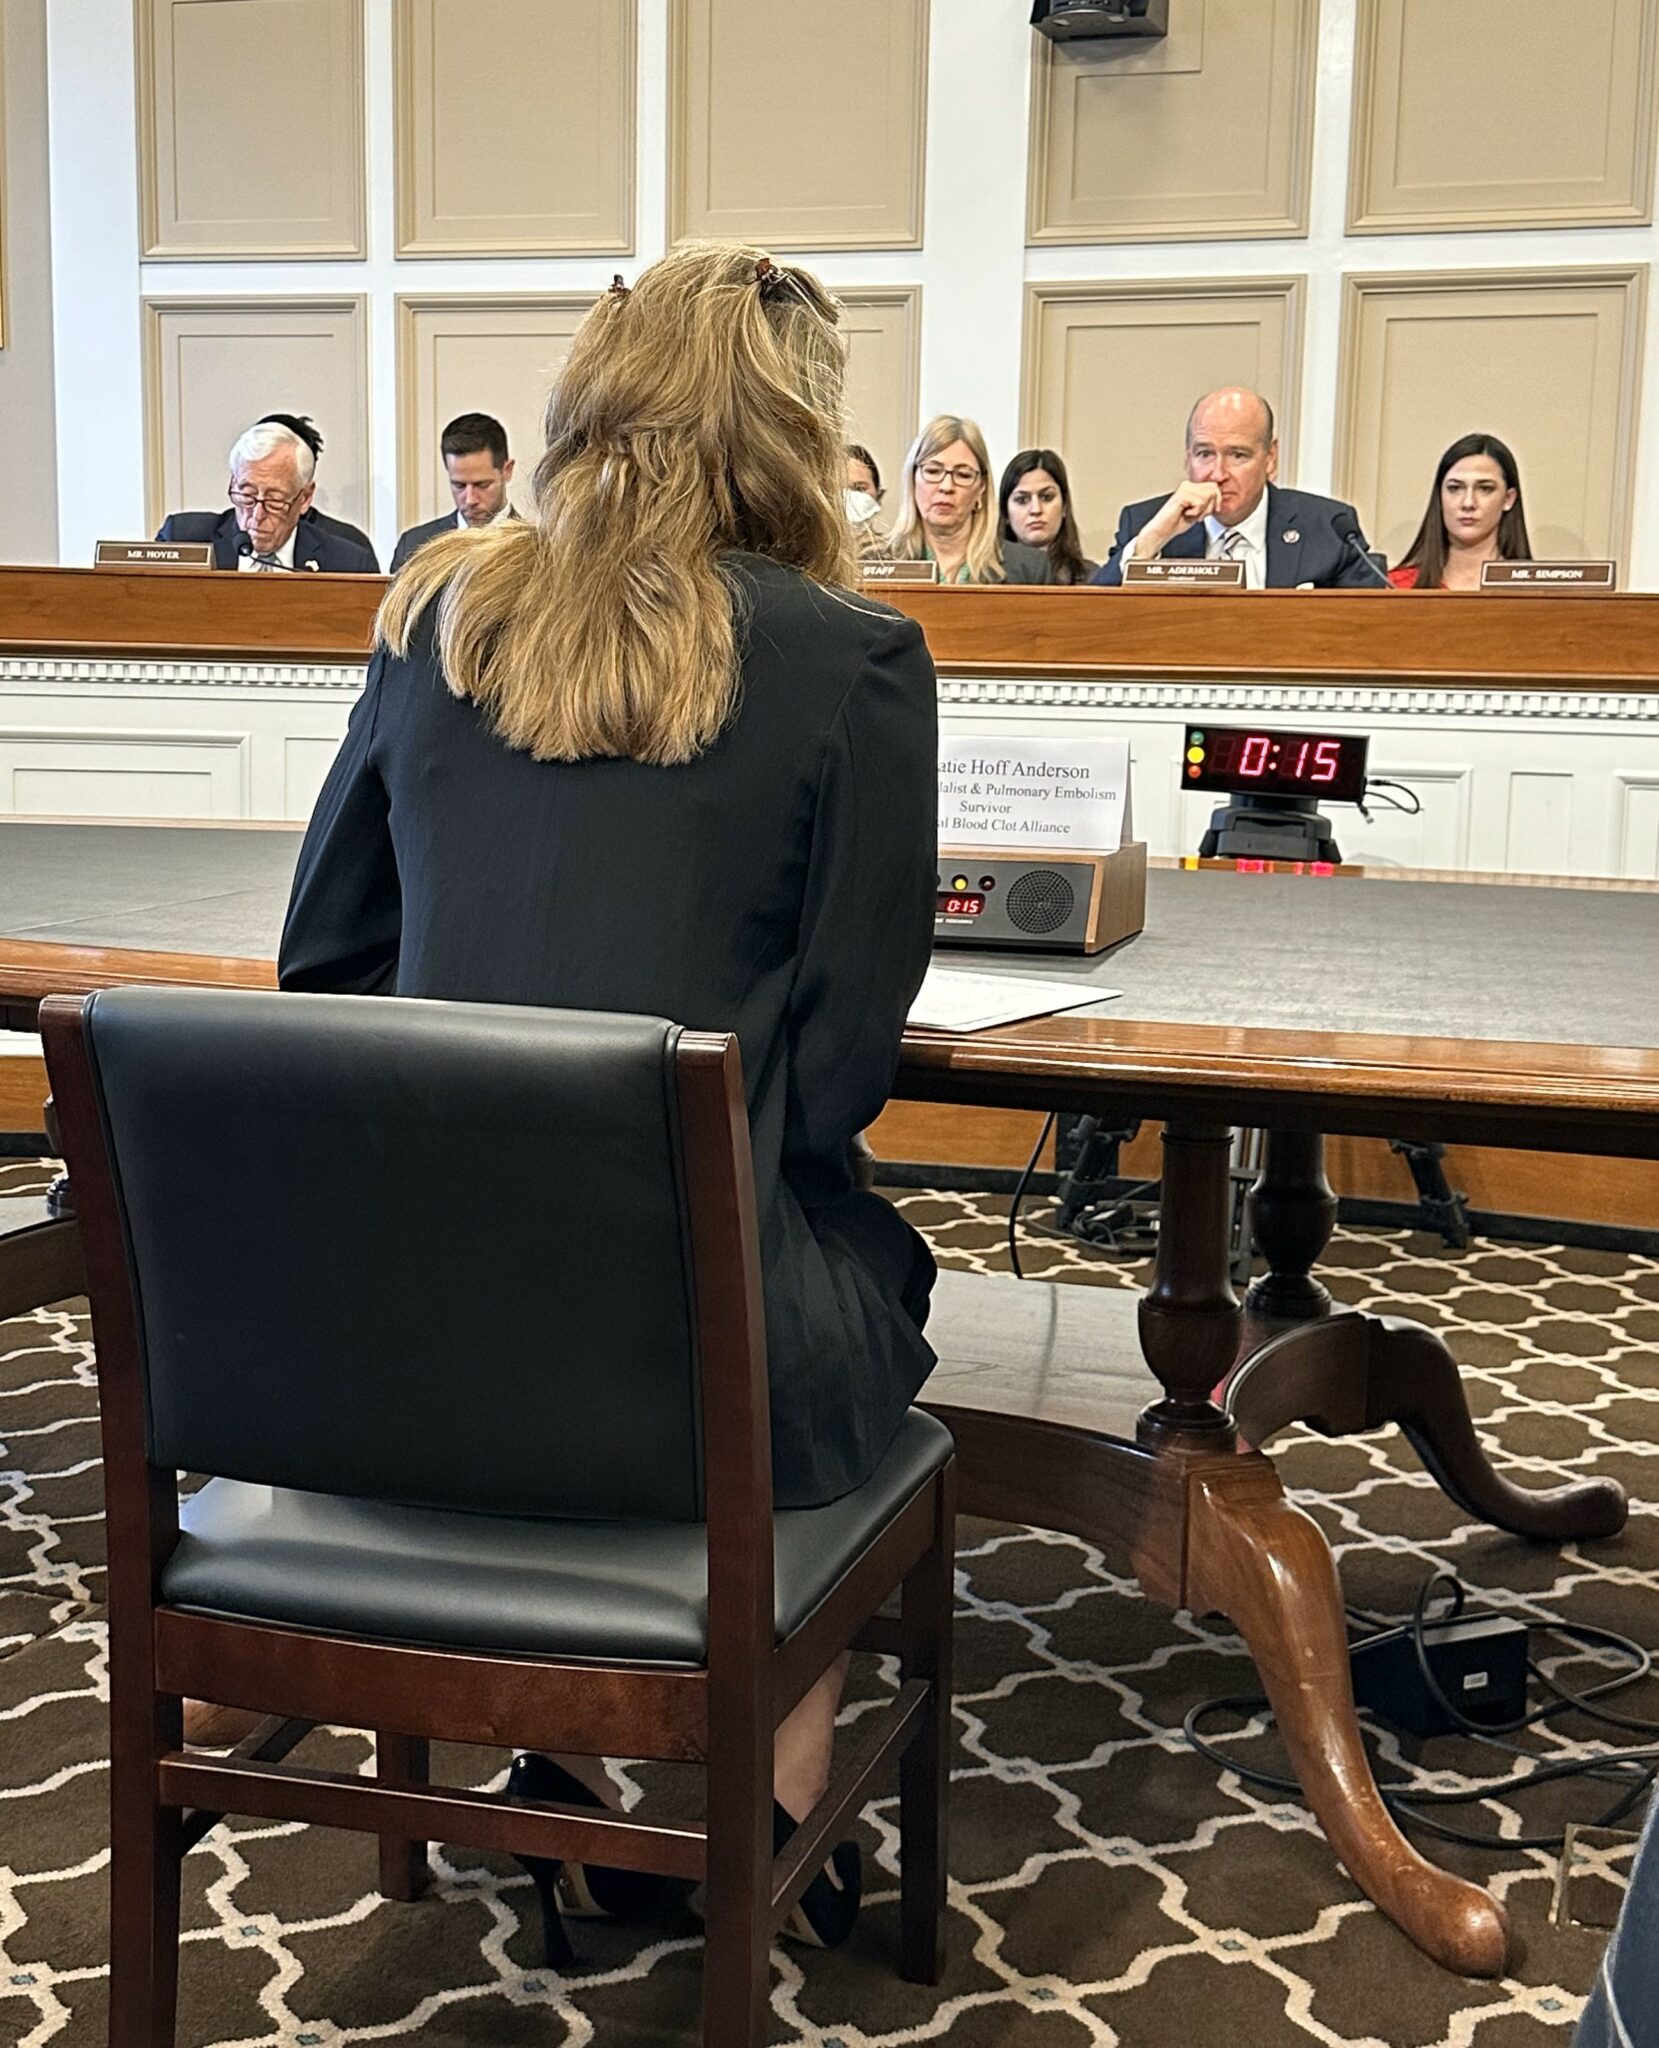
1229 508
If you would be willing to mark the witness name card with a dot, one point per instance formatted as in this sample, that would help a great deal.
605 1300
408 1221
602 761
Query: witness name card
1035 793
1184 572
951 999
1549 575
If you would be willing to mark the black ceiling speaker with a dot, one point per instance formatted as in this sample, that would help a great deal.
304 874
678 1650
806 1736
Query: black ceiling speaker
1069 21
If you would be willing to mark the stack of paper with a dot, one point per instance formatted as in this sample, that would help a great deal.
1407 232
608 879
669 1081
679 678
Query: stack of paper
951 999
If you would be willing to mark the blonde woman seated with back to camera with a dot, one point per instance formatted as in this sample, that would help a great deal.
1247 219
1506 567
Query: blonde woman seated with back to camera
648 753
948 515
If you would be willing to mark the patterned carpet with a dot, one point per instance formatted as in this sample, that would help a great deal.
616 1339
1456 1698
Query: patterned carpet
1108 1885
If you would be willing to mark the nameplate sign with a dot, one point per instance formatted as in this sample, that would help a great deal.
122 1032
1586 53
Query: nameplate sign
877 571
1549 576
1035 793
154 554
1183 574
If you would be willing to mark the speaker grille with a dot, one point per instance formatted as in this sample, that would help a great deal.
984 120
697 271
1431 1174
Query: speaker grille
1040 900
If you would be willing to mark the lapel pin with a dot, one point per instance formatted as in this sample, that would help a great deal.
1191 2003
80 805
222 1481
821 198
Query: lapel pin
1292 537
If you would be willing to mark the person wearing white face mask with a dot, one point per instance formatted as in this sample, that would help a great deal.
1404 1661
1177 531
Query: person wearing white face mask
863 496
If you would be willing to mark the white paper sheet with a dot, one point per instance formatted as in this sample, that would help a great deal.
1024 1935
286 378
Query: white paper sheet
953 999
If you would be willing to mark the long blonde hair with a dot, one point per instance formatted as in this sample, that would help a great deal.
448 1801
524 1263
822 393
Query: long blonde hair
908 540
699 413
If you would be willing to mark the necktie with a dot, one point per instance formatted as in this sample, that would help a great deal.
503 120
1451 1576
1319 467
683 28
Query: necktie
264 564
1232 545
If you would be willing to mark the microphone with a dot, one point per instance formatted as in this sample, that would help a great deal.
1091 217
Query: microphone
1346 527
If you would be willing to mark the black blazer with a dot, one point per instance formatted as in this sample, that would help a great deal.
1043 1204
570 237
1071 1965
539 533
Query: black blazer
1304 543
780 885
414 537
315 546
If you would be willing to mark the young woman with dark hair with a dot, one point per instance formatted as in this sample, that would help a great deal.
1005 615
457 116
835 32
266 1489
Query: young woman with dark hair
1474 516
1034 506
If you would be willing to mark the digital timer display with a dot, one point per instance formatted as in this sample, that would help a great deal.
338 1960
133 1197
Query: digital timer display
1245 758
952 903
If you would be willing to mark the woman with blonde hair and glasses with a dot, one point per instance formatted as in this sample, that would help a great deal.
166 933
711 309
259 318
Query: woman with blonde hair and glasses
947 514
647 752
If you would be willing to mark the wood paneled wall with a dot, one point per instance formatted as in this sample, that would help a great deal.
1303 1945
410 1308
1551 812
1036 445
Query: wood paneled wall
548 91
251 127
520 128
214 365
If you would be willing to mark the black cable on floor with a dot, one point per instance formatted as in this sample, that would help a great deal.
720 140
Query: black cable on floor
1634 1769
1018 1196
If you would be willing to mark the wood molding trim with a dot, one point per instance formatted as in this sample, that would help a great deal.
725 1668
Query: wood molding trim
340 67
1372 133
413 446
352 307
1425 289
1284 212
412 31
689 212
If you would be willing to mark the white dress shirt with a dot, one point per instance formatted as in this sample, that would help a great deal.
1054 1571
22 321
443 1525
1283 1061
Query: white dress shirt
284 554
495 519
1250 547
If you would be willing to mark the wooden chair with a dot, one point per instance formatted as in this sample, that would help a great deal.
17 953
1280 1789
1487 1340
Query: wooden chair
460 1307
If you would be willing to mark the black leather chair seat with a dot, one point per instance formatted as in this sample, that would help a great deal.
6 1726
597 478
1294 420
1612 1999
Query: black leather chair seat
630 1590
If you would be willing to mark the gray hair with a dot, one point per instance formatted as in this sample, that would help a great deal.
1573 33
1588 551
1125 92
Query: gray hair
265 439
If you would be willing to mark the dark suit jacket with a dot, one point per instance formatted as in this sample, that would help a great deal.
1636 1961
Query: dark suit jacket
414 537
315 546
1304 543
344 528
780 885
1022 564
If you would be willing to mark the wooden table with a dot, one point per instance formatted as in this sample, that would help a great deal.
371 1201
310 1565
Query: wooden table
1052 1422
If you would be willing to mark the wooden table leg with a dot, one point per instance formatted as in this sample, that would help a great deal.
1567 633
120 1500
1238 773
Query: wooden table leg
1354 1372
1260 1561
1292 1215
1264 1564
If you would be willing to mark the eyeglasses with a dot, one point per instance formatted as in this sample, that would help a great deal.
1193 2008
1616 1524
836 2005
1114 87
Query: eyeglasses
274 502
936 473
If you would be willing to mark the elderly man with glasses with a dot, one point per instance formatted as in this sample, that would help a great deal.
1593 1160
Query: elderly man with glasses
270 526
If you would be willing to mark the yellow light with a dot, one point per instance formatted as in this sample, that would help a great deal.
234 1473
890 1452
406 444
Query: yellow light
1195 753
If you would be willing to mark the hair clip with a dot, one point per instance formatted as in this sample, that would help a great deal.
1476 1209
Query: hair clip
772 281
618 290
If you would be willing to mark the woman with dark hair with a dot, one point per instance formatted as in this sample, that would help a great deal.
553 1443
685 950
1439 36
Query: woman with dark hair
1034 506
1474 516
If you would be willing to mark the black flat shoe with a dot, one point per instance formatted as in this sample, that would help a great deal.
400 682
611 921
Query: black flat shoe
823 1916
580 1891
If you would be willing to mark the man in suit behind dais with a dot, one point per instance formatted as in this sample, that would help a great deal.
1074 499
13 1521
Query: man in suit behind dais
1229 508
270 525
474 451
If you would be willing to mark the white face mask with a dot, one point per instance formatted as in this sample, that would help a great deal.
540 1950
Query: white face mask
861 507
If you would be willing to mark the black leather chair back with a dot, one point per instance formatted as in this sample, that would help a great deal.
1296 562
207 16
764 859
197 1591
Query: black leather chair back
417 1251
